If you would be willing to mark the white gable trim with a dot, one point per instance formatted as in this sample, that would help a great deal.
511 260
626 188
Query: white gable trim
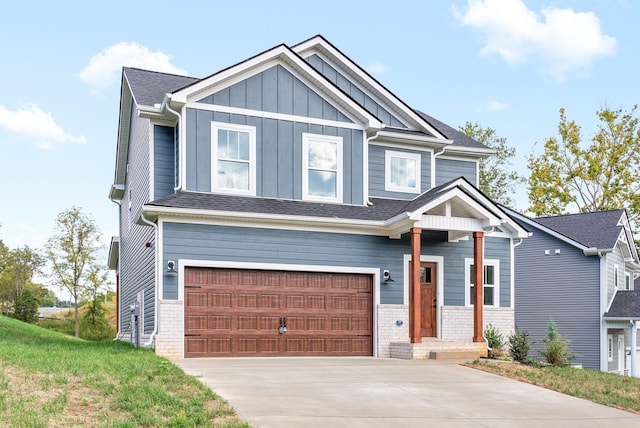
278 55
319 45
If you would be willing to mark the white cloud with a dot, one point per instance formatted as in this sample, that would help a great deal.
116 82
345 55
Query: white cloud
377 68
104 68
563 40
493 105
32 122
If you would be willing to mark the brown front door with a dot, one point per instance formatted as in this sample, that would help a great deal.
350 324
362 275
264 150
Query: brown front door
428 299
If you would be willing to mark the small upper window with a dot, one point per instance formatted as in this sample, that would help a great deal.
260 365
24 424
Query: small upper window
233 152
322 167
402 172
627 281
616 280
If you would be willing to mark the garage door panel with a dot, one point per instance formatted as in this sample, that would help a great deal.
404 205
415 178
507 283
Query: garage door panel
325 314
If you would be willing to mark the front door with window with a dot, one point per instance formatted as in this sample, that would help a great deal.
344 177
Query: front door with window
428 299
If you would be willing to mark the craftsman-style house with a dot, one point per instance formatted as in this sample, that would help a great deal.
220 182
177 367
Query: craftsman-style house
292 205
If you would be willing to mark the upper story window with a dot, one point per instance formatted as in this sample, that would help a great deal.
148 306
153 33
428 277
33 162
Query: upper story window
322 168
234 158
616 279
402 172
491 279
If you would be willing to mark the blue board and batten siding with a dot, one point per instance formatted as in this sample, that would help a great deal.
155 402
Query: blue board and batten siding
220 243
278 154
346 85
164 163
564 287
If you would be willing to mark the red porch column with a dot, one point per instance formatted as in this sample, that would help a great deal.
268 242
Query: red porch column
478 286
414 287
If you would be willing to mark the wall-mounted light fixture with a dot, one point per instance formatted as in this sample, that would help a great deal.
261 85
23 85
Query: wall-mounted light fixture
171 268
386 275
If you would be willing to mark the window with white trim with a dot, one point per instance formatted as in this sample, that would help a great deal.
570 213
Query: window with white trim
627 280
233 151
401 172
616 282
610 347
491 279
322 168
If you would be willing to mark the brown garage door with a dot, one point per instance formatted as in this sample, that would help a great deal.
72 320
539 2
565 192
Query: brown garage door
232 312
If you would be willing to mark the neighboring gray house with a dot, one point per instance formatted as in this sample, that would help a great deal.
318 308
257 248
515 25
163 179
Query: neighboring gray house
292 205
579 270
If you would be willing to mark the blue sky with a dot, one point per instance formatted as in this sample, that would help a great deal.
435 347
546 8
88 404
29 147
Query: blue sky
505 64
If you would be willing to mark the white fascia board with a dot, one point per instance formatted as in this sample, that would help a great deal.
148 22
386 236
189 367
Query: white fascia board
278 55
400 137
535 224
319 45
366 227
472 152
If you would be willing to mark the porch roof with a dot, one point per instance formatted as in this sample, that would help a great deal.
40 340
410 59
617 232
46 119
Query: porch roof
625 306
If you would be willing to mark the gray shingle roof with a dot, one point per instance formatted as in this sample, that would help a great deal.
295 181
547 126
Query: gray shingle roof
597 229
626 304
149 87
459 138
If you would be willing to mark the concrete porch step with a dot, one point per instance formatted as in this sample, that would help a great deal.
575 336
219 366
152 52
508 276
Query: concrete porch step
431 348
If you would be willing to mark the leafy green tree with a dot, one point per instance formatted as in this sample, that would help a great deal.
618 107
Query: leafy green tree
71 250
497 180
599 175
25 307
17 268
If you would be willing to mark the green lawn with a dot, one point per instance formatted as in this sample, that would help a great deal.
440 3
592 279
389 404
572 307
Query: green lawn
49 379
610 389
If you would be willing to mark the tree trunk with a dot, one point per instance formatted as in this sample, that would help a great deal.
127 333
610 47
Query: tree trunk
76 320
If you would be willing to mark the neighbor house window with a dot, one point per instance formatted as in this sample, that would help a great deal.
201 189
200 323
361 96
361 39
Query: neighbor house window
491 279
610 347
322 167
402 172
615 277
233 149
627 281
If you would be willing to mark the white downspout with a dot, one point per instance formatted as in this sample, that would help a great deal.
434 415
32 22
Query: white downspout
180 153
365 171
433 166
156 299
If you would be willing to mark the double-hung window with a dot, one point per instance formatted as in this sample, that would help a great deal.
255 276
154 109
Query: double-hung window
490 278
402 172
616 279
627 280
233 152
321 168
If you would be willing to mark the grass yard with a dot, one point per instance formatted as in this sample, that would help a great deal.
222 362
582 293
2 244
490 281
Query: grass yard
621 392
49 379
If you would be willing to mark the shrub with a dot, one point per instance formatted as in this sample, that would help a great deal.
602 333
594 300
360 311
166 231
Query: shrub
64 326
556 350
25 307
519 346
94 324
495 341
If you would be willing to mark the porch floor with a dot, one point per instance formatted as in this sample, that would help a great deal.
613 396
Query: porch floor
437 349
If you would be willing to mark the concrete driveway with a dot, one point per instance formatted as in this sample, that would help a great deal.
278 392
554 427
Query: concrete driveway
381 392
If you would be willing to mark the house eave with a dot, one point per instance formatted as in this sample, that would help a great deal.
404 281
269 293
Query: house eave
114 253
369 227
116 192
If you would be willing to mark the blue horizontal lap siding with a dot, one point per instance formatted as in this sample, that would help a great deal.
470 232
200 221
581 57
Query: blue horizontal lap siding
220 243
343 82
164 161
449 169
563 287
377 171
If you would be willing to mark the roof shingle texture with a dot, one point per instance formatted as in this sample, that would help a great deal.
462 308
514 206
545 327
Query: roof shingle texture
149 87
626 304
596 229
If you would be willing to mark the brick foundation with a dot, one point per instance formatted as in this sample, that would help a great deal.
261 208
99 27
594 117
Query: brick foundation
170 337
